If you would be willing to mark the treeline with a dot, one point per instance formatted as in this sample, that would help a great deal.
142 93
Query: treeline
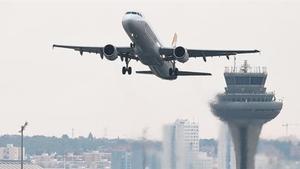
284 149
36 145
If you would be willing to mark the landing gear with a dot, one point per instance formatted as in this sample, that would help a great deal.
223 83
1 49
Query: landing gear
176 71
173 71
132 45
127 68
124 70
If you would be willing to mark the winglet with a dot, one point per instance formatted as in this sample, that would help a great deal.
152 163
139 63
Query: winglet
258 51
53 46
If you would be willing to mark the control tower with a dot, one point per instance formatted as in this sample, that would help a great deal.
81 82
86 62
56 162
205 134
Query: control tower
245 107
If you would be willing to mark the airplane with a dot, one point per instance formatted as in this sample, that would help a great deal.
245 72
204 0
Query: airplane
146 48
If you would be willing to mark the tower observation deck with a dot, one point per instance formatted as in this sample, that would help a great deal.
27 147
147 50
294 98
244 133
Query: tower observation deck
245 106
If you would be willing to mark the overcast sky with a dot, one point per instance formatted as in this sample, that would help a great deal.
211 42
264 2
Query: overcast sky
57 90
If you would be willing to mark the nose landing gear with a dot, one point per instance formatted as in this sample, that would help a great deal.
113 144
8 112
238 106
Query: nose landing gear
127 59
126 69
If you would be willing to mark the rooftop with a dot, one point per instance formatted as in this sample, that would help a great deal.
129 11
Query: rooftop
12 164
246 68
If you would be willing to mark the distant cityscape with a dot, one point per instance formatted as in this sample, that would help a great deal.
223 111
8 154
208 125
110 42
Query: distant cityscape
243 109
180 148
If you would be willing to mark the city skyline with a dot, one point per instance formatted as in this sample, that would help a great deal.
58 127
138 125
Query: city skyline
55 154
57 91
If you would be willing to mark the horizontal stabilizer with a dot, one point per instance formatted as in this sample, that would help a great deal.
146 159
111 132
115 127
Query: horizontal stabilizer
144 72
179 73
186 73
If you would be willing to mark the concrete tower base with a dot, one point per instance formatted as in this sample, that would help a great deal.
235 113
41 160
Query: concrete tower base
245 139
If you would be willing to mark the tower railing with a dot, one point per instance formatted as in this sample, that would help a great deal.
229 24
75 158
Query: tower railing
257 69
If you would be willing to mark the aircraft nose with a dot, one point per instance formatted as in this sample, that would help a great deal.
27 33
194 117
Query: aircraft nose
129 20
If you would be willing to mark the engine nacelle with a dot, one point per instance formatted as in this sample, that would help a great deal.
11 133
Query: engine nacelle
110 52
181 54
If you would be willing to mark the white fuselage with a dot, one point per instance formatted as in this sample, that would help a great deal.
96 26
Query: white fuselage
146 45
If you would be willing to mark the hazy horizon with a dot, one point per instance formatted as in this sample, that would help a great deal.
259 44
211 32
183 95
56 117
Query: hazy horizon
57 90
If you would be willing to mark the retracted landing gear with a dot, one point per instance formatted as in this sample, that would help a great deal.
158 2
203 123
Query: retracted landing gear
127 68
173 71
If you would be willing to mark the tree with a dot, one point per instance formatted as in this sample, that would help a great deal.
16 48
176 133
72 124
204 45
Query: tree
90 137
65 136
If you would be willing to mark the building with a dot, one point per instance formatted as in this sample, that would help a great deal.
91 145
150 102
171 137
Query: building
245 107
202 161
96 159
180 143
121 160
138 155
11 153
153 159
264 161
11 164
45 160
226 158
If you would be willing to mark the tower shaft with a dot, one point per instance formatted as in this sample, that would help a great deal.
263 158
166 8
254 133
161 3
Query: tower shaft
245 139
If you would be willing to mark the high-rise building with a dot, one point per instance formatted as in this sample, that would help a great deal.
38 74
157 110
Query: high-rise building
201 160
245 107
180 143
138 156
226 158
153 159
121 160
10 152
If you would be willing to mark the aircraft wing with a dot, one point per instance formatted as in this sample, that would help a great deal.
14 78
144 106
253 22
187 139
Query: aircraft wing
122 51
168 52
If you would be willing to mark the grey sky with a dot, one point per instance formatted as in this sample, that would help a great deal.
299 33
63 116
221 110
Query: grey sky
57 90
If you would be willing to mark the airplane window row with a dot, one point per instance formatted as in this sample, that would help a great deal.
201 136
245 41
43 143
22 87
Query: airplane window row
263 99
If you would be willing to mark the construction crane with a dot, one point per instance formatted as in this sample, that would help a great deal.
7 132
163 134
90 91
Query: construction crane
287 125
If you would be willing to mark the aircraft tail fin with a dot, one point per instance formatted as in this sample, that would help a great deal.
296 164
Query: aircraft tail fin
174 40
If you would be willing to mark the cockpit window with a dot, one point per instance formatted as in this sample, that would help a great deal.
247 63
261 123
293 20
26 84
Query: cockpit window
134 13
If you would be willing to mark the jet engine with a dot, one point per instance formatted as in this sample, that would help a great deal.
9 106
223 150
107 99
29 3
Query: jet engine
181 54
110 52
